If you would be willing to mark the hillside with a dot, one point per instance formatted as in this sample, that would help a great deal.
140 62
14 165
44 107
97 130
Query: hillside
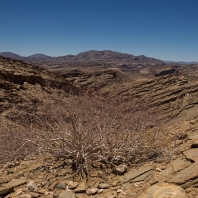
146 114
22 85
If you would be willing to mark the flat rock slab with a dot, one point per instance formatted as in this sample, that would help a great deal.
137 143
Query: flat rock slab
66 194
179 164
143 177
164 190
192 154
167 172
134 173
189 173
193 137
81 188
12 184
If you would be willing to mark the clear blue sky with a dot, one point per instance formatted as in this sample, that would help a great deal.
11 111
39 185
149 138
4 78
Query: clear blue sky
164 29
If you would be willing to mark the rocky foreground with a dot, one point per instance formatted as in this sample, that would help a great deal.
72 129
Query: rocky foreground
47 176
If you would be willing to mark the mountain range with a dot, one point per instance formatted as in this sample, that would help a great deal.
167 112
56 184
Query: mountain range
106 56
182 62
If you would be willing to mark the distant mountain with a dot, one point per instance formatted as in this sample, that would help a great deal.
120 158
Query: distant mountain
106 56
182 62
109 56
16 56
11 55
187 63
39 56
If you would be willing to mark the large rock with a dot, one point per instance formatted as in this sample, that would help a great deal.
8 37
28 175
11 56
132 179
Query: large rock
134 173
179 164
164 191
12 184
192 154
31 186
121 169
189 173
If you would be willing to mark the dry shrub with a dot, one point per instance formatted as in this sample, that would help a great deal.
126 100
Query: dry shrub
91 128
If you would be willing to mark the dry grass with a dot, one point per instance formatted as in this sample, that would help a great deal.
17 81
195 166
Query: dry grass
16 142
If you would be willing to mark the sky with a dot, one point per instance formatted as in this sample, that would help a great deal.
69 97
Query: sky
163 29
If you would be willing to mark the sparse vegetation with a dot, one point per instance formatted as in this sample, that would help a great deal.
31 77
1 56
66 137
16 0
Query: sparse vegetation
88 128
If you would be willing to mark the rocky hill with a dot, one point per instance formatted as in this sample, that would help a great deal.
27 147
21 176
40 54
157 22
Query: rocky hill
172 88
23 84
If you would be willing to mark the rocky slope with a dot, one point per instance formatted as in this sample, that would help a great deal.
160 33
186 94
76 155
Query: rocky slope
171 90
24 84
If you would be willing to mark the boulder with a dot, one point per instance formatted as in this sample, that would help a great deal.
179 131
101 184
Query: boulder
164 190
31 186
121 169
92 191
